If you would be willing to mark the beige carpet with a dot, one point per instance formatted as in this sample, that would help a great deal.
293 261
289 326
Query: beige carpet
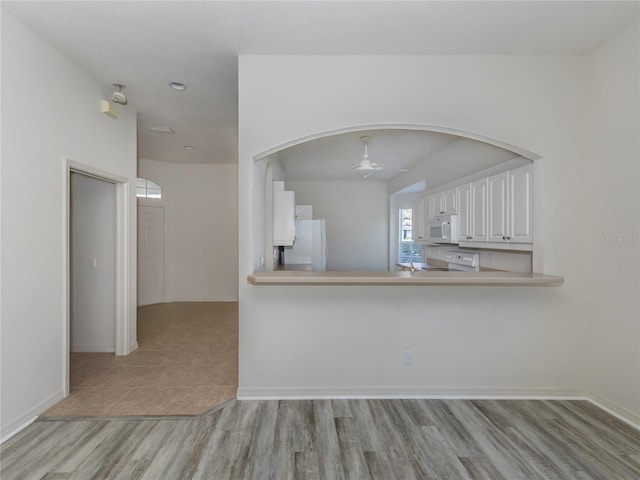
186 364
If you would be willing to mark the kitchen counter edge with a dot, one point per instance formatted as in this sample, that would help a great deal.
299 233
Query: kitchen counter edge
402 278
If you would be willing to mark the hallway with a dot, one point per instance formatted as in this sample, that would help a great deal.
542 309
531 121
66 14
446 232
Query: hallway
186 364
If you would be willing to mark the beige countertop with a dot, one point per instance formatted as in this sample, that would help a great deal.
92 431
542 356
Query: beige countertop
402 278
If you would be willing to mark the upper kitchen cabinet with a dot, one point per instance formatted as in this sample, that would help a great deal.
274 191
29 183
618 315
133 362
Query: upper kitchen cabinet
446 202
419 217
284 215
521 204
510 206
464 211
479 211
498 207
472 211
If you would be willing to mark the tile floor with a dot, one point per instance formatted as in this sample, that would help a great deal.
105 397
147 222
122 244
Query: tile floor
186 364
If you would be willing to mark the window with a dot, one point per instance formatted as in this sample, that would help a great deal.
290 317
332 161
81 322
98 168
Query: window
147 189
409 252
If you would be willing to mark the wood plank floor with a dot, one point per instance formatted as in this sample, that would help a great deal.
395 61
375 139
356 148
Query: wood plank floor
337 439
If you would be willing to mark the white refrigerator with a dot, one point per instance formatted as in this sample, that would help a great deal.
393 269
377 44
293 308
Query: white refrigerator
310 245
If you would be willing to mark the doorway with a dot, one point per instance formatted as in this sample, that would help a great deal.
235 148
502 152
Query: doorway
124 315
151 256
92 264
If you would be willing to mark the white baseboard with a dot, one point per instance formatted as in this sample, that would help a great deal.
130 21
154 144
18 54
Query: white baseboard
453 393
93 349
627 416
133 347
303 393
27 418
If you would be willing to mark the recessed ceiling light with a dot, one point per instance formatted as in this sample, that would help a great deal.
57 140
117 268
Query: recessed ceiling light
188 147
162 130
178 86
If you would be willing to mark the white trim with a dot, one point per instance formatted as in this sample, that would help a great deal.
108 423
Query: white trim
300 393
123 276
29 416
444 393
403 126
92 349
627 416
77 167
66 276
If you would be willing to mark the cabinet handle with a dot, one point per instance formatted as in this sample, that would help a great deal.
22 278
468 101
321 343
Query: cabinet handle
504 238
469 238
508 238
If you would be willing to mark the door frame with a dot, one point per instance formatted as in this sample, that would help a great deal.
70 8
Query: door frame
123 257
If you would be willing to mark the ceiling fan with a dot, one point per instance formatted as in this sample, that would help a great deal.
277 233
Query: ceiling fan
366 167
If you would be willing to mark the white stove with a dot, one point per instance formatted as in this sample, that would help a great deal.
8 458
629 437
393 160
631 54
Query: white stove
463 261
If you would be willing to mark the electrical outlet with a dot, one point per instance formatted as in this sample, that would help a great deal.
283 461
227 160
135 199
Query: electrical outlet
408 357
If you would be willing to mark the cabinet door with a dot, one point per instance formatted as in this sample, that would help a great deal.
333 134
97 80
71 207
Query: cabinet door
520 205
478 214
497 186
450 201
437 201
464 212
284 215
432 207
417 220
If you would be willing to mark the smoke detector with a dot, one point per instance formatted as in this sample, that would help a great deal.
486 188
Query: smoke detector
118 96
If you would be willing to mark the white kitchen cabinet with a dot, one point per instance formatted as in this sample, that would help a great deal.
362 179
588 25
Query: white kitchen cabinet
521 204
472 211
510 206
284 215
478 223
464 211
498 204
450 202
431 208
446 202
419 219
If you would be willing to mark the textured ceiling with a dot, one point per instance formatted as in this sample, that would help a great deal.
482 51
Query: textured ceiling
145 45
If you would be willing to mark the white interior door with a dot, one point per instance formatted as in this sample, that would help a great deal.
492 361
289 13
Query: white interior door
93 264
151 235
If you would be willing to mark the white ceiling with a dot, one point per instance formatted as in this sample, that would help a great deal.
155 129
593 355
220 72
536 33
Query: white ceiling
437 157
147 44
334 157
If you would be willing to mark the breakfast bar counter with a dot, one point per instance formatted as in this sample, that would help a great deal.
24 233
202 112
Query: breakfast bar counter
399 278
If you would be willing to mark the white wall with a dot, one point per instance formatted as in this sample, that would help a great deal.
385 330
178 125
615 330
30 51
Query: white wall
357 220
50 111
202 229
612 236
93 286
495 340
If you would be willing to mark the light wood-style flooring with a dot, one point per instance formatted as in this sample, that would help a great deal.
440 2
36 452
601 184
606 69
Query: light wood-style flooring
186 364
337 439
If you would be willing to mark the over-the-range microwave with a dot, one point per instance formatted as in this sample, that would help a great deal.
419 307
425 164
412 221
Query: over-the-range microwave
443 229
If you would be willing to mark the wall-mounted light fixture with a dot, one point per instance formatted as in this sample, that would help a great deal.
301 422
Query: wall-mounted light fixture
118 96
108 109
